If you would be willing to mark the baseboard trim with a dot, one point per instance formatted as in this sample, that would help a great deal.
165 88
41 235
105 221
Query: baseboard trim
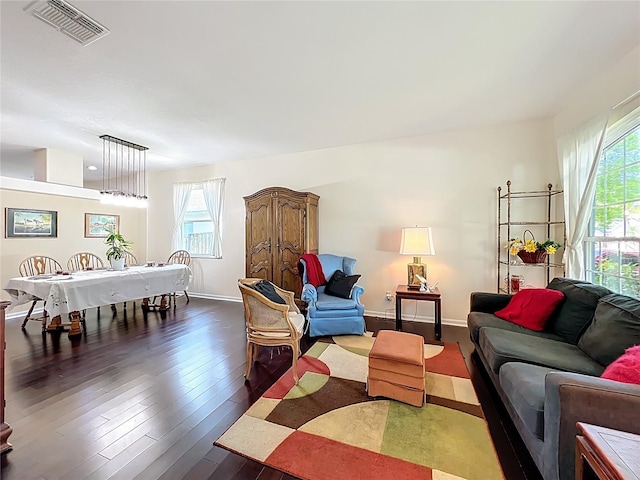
368 313
208 296
23 313
454 322
39 311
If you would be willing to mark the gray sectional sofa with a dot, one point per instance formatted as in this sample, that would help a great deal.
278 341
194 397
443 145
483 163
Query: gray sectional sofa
549 380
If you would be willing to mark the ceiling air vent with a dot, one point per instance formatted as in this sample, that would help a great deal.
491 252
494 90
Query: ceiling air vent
67 19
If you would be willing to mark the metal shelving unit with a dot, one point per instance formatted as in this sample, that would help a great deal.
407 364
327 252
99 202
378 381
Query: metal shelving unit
505 225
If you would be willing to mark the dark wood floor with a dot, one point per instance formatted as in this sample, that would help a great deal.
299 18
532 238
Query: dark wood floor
145 399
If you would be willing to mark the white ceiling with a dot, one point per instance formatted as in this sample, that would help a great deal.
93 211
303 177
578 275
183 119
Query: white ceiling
201 81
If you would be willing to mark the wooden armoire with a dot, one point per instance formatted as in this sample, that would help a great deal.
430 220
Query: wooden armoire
281 225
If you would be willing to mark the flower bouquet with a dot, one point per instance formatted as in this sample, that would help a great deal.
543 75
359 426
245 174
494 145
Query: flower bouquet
531 251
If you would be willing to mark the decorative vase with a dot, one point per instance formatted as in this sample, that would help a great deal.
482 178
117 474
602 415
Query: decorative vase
117 264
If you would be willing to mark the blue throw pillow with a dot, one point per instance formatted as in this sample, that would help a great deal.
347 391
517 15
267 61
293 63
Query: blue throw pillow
340 285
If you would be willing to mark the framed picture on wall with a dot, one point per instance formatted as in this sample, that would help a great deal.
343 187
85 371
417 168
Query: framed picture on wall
97 224
23 223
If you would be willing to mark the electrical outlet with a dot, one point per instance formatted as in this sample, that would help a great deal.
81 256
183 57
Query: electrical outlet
389 295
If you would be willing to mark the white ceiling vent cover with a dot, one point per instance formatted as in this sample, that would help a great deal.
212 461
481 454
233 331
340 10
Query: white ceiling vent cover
67 19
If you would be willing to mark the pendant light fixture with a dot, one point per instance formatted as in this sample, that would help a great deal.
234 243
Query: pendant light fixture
124 173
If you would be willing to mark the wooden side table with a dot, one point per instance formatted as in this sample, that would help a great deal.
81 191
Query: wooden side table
404 293
609 454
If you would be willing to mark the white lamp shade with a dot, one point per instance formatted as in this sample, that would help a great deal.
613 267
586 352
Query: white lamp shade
417 241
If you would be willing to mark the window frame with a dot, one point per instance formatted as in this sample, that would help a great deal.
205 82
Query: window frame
626 277
198 186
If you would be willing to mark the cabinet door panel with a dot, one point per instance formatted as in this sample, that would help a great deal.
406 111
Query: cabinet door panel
259 263
290 216
312 228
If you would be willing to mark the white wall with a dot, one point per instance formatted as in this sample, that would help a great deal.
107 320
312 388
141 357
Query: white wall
601 93
368 192
58 166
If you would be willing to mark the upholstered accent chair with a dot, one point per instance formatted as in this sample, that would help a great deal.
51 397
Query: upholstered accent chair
327 314
270 323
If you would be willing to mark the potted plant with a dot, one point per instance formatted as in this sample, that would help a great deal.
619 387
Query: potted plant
118 247
531 251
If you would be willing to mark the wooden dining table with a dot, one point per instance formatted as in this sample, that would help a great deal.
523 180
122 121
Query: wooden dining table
68 295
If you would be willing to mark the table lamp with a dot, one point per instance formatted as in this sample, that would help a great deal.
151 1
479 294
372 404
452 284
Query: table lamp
416 241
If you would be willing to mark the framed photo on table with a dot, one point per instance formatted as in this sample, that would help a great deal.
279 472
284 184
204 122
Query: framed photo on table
97 224
25 223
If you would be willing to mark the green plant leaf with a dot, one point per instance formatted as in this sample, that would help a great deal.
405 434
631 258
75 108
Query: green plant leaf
118 245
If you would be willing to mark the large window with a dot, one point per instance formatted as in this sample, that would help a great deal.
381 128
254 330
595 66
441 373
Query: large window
198 213
197 227
613 245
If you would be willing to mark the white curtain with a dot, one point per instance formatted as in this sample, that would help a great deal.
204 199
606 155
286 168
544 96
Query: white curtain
214 198
181 197
579 155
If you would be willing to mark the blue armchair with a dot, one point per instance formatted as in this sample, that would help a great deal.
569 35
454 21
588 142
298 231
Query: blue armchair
329 315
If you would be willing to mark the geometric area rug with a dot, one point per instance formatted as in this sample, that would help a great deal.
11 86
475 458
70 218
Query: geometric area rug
326 427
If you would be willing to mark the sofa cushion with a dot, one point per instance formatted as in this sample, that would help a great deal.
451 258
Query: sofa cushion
523 384
625 369
615 327
501 346
531 307
477 320
329 302
576 312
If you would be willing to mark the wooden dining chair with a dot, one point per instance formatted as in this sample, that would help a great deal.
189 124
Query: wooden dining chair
130 259
84 260
179 256
183 257
38 265
270 323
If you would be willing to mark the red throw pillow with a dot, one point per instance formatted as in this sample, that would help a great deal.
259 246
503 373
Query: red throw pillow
626 368
531 307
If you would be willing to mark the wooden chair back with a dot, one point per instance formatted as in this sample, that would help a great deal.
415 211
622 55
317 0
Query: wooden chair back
180 256
84 260
38 265
130 259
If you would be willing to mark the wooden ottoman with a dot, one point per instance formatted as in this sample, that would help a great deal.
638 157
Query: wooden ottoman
396 367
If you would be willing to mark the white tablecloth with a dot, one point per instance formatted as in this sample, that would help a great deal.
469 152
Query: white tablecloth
94 288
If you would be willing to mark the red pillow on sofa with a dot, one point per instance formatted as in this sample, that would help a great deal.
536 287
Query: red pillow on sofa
626 368
531 307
